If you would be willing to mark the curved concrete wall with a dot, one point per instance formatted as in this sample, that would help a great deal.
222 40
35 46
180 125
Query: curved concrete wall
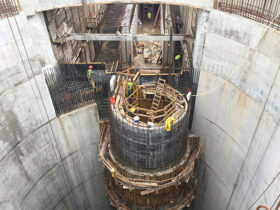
45 162
50 163
237 112
30 7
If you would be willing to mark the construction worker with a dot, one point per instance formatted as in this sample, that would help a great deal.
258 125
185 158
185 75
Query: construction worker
168 123
89 76
177 60
189 93
149 16
129 87
132 111
177 57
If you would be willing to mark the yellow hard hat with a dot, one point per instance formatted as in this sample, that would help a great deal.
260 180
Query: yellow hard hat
132 109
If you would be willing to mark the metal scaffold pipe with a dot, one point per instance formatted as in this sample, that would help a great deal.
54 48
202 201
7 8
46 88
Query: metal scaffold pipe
124 37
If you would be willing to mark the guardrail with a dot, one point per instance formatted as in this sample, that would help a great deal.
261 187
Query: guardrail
9 8
176 99
263 11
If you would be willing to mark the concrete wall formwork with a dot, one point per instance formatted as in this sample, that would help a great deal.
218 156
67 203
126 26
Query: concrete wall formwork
45 162
237 112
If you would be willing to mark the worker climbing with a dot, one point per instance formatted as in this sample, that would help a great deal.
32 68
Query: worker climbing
89 76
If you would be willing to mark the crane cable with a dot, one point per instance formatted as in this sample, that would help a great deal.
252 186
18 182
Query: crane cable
44 106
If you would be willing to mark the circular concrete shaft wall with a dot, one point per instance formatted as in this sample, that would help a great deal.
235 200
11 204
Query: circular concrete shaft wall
45 162
237 112
238 122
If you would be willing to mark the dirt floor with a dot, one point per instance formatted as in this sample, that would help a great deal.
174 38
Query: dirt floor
147 28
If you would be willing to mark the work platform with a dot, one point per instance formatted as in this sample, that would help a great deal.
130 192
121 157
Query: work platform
146 149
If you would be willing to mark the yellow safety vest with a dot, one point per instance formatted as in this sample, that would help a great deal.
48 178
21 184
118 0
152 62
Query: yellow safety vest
90 72
129 85
177 57
168 123
149 15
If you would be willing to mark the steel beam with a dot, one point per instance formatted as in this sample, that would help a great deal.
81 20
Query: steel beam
126 37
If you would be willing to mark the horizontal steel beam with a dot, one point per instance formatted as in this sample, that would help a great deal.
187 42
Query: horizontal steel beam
125 37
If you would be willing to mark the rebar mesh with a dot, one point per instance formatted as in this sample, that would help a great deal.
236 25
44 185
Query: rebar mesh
113 18
264 11
70 89
147 149
8 8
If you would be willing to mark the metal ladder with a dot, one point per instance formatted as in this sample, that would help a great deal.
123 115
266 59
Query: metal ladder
158 94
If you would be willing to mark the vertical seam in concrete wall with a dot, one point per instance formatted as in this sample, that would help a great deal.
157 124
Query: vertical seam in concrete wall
243 164
200 37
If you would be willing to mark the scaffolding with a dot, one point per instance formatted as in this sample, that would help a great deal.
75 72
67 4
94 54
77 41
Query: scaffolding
147 165
9 8
142 100
171 188
264 11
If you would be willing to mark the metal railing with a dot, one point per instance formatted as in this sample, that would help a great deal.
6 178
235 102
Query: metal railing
9 8
263 11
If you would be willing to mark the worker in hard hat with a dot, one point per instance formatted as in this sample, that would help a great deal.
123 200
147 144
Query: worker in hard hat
149 16
89 76
129 87
188 96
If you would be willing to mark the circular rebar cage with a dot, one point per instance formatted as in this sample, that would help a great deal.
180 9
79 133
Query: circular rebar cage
147 149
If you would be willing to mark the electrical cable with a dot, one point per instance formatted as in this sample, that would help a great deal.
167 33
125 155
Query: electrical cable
44 106
47 115
264 192
261 160
275 203
29 79
25 69
263 35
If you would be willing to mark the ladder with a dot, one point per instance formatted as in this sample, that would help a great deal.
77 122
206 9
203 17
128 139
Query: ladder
158 94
